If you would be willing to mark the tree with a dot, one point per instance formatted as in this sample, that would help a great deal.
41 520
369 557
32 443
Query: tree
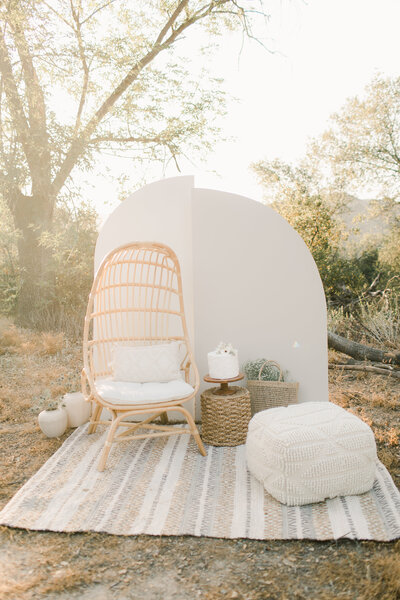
78 78
299 200
312 211
359 153
362 147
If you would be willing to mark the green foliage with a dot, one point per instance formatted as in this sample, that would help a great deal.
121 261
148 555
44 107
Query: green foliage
360 152
252 369
71 244
362 147
389 251
46 402
312 212
9 268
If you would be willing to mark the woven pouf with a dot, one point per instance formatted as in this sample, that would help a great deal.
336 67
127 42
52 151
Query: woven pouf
225 418
309 452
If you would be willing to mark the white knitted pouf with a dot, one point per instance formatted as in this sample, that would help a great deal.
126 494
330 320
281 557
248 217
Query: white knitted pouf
308 452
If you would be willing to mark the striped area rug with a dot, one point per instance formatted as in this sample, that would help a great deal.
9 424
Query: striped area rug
165 487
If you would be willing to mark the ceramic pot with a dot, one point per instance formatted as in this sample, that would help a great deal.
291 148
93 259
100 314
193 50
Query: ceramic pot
77 408
53 423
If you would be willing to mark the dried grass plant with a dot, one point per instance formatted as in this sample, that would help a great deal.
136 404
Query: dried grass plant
376 322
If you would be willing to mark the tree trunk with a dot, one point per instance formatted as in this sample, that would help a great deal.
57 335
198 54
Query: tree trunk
360 351
33 217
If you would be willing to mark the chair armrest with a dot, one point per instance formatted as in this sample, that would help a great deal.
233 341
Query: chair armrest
191 364
85 388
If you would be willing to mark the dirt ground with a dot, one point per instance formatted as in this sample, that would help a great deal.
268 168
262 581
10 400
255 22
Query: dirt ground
92 566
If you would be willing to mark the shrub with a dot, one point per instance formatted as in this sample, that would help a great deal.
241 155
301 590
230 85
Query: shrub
72 243
373 320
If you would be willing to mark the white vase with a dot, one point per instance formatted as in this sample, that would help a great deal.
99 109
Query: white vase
77 408
53 423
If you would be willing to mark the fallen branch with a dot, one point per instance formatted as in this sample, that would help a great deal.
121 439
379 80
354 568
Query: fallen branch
361 351
368 368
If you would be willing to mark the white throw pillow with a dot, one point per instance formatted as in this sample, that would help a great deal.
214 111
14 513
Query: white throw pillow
143 364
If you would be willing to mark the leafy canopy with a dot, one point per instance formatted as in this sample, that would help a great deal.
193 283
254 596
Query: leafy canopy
359 153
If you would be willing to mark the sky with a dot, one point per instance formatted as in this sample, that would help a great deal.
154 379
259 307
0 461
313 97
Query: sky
322 52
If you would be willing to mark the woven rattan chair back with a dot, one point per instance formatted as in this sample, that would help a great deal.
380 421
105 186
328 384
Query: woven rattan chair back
136 298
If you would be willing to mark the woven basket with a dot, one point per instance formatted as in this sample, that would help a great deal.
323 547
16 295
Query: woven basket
225 419
269 394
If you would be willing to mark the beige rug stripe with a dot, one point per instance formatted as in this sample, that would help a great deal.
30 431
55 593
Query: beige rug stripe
358 519
65 501
299 527
19 507
273 524
203 492
45 483
136 488
225 502
256 508
150 494
376 526
171 481
121 491
321 521
240 508
173 521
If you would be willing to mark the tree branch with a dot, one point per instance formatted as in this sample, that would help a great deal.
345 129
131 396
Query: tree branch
14 101
127 139
171 21
361 351
96 10
78 33
80 143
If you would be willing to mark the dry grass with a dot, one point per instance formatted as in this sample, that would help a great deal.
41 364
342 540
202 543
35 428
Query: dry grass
375 322
18 341
376 400
384 580
47 565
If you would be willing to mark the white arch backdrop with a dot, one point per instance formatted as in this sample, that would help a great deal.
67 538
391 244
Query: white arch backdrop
248 277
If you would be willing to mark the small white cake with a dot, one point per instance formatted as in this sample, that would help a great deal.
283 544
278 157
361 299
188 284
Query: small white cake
223 364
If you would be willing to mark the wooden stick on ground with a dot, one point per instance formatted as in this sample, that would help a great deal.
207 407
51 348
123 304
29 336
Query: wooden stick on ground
367 368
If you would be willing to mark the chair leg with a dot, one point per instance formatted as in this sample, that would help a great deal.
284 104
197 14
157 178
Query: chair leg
193 429
164 418
107 445
96 412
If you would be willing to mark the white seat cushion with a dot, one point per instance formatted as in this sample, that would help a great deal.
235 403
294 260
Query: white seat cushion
126 392
308 452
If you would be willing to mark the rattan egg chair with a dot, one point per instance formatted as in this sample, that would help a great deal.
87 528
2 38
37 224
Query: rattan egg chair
136 299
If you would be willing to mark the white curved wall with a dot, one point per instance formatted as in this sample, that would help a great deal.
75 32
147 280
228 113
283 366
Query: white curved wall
248 277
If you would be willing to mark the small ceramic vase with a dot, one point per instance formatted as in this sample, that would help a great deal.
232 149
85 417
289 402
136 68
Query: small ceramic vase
77 408
53 423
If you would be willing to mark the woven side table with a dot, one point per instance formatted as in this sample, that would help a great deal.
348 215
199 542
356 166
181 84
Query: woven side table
225 418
